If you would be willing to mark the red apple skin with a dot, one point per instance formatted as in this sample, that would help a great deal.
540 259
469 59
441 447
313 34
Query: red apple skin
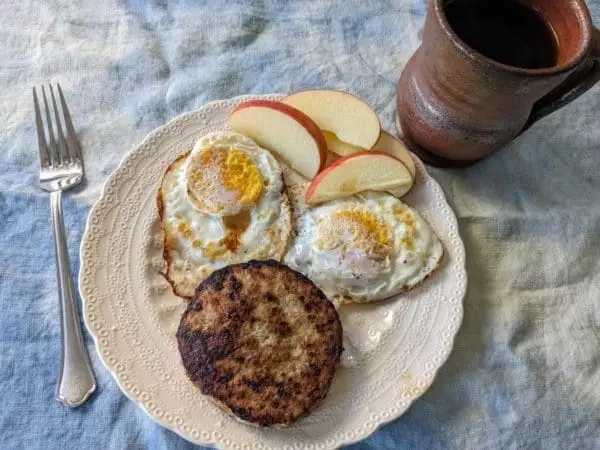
343 92
317 180
295 114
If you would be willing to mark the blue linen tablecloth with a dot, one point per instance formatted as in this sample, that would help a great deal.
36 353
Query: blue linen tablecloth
525 371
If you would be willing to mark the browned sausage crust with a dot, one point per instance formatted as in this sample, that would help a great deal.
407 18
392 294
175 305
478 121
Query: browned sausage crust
262 340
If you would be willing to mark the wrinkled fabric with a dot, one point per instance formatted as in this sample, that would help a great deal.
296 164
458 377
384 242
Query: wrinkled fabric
524 372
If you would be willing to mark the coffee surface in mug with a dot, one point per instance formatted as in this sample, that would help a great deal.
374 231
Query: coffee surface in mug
503 30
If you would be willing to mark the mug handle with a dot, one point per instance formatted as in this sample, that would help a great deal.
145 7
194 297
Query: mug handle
580 81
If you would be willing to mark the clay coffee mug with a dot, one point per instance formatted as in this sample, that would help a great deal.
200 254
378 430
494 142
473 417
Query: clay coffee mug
456 106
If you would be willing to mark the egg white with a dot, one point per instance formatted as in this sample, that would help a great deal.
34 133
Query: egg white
358 275
193 251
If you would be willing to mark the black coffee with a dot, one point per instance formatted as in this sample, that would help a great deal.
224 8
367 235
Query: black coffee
504 30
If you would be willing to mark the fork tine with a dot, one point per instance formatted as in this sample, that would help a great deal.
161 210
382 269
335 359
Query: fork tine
54 154
74 149
44 156
62 144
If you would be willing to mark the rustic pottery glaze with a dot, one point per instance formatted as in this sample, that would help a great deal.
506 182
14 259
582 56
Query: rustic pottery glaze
456 106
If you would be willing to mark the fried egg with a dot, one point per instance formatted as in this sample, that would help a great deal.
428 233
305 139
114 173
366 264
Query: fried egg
222 203
364 248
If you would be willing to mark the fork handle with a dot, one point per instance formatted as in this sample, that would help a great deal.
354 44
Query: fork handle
76 380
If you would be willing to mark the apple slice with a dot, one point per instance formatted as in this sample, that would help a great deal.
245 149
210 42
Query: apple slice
343 114
338 147
285 131
386 143
395 147
362 171
331 158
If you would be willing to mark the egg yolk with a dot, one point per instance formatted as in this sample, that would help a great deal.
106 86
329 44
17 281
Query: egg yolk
357 227
404 217
222 182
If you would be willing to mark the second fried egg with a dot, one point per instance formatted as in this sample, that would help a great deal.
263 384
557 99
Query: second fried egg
364 248
222 203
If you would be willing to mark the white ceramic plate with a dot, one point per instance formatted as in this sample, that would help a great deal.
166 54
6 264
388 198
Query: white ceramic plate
396 346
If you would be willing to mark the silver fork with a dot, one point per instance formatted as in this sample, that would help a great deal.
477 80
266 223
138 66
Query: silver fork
61 168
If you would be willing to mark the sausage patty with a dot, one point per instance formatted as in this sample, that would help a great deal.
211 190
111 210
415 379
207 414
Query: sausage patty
262 340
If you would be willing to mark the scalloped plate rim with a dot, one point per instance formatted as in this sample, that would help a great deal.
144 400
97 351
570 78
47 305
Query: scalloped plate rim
140 404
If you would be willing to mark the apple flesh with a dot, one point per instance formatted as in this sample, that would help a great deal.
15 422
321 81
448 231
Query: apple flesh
284 130
345 115
396 148
362 171
338 147
387 144
331 158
